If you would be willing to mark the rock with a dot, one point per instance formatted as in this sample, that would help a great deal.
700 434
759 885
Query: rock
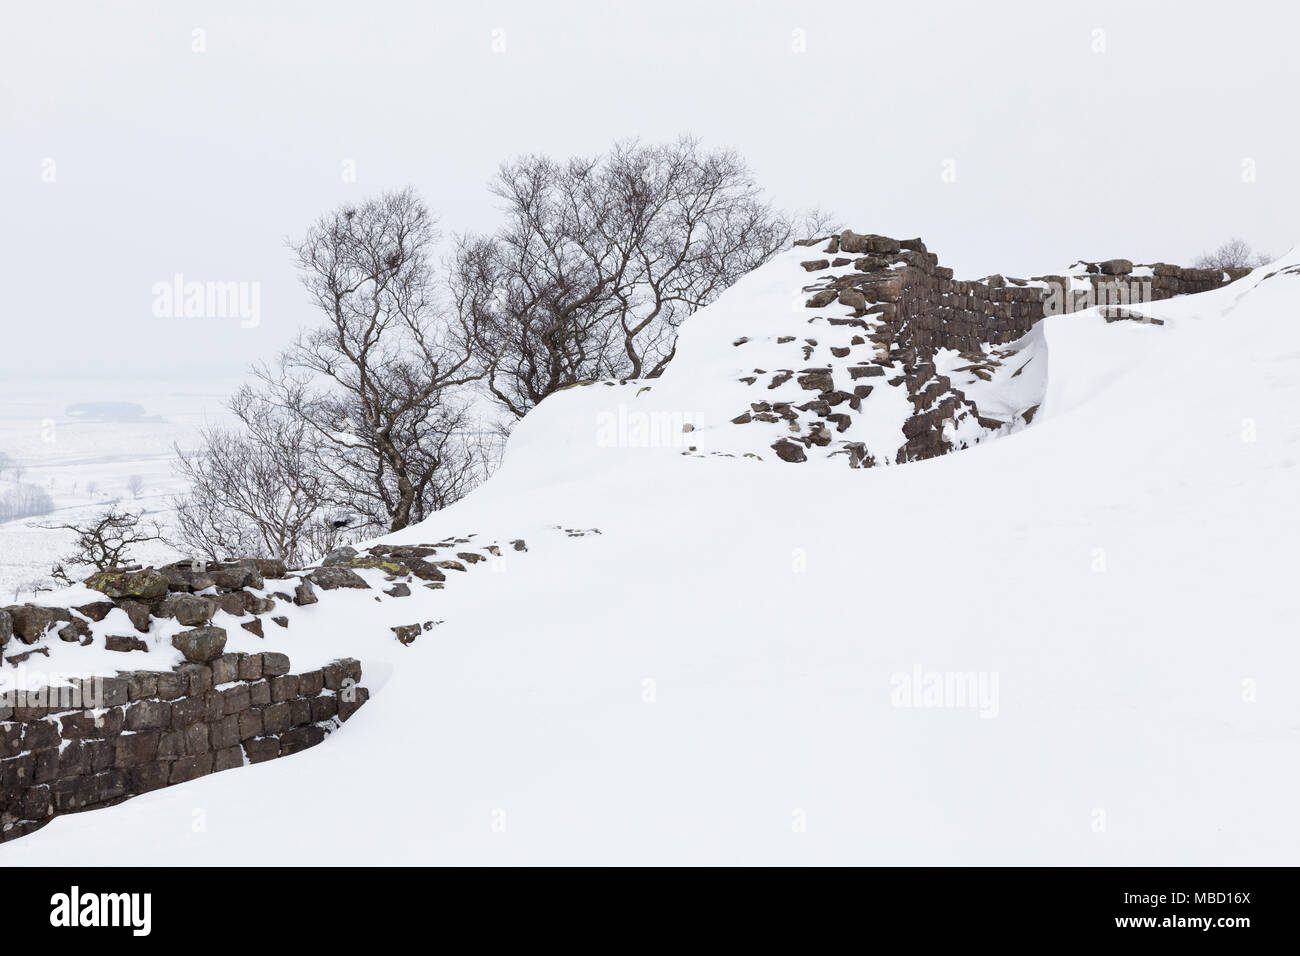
253 627
1116 267
275 665
815 265
821 299
187 609
6 627
865 371
96 610
233 577
790 451
266 567
200 644
186 576
387 565
853 299
407 633
30 623
399 590
304 595
281 620
340 555
258 605
138 612
816 380
330 578
426 571
234 603
76 631
119 642
146 585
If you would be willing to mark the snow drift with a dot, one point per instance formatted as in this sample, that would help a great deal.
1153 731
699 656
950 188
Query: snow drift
1070 645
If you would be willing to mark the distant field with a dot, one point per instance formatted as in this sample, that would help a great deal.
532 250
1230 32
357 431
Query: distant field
81 441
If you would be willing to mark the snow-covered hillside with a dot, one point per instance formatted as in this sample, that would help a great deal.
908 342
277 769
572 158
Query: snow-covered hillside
760 662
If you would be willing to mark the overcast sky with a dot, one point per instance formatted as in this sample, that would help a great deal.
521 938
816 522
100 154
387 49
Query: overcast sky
1012 137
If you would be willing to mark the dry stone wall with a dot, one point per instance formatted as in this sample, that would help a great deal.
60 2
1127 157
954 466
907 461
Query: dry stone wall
927 307
110 738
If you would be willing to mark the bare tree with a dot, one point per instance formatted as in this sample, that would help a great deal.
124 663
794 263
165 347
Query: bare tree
135 485
24 501
377 385
1233 254
105 542
601 259
252 491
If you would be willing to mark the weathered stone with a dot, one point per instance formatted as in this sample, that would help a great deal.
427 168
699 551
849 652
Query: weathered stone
276 718
789 451
304 595
350 701
137 612
406 633
233 603
281 620
250 666
124 642
274 664
236 699
331 578
399 590
815 265
148 715
284 687
190 768
816 380
133 750
225 732
340 555
95 610
147 585
225 669
250 723
1116 267
262 748
300 738
30 623
228 758
188 609
201 643
234 576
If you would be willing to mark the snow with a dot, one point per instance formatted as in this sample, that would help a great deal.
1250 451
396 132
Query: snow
715 677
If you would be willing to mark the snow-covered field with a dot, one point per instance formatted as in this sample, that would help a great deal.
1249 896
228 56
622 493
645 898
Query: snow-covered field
86 462
759 662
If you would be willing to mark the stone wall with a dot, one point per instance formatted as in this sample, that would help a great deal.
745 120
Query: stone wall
152 729
928 308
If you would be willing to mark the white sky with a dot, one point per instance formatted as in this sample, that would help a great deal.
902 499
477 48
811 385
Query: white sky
168 160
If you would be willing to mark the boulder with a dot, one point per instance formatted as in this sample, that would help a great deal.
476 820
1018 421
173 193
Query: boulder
30 623
119 642
339 556
388 565
790 451
146 585
96 610
6 627
330 578
138 612
253 627
234 603
235 576
304 595
188 609
853 299
266 567
1116 267
200 644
